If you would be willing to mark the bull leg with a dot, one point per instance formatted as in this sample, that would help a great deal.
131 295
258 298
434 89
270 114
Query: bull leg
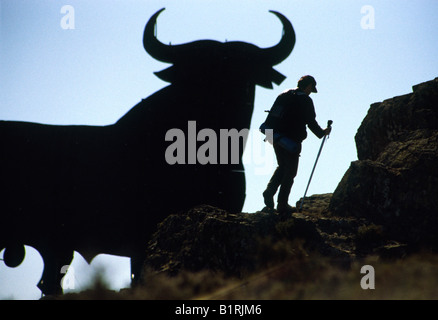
50 283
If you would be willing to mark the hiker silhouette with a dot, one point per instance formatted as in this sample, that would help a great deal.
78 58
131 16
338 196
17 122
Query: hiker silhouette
291 112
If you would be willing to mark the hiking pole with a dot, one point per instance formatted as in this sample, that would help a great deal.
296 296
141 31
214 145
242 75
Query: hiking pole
329 125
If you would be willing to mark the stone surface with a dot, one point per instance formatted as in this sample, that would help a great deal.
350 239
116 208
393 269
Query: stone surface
208 238
395 181
396 119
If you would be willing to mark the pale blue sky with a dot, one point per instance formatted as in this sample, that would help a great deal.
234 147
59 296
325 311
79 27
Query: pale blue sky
96 72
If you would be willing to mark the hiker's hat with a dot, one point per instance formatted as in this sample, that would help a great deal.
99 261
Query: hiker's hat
305 81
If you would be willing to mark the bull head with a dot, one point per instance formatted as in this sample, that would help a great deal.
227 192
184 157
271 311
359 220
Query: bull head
249 59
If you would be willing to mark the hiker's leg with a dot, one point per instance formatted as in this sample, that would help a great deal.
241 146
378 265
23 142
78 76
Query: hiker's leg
289 172
276 178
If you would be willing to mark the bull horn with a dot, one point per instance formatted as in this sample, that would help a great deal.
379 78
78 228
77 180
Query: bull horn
151 44
281 51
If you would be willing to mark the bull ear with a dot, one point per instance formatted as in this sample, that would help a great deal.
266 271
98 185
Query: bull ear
277 77
267 77
166 74
281 51
151 44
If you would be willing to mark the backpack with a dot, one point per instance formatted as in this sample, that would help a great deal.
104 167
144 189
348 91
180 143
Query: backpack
277 116
274 118
276 121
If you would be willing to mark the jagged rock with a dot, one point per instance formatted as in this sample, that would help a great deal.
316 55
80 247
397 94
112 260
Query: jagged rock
206 237
395 181
210 238
393 119
315 203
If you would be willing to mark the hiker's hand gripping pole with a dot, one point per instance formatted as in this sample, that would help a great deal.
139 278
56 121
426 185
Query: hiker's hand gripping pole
329 125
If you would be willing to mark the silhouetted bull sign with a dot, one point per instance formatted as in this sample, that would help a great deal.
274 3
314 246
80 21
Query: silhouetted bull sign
104 189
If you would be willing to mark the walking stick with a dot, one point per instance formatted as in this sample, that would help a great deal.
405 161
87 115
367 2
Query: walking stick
329 124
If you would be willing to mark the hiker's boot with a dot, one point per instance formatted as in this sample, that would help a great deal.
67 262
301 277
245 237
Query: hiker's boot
285 210
268 198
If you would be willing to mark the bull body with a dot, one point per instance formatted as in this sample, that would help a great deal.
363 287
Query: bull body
104 189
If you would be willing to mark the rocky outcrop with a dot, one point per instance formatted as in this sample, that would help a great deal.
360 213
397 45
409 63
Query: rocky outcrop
386 204
395 181
395 120
209 238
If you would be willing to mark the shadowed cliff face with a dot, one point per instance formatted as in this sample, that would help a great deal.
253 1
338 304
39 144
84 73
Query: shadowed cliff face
395 181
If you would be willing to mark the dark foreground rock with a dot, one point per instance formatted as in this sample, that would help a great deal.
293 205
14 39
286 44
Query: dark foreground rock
208 238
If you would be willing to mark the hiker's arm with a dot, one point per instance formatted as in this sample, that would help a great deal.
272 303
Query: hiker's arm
316 129
311 121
